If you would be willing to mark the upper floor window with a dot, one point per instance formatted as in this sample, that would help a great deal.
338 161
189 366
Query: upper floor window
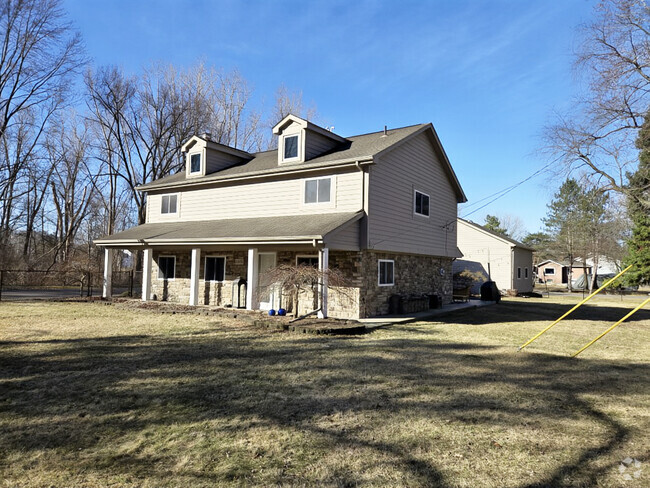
318 190
290 147
421 203
166 267
215 268
169 204
195 163
549 271
386 272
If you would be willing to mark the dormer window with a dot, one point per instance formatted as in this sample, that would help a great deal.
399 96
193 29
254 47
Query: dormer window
195 163
290 148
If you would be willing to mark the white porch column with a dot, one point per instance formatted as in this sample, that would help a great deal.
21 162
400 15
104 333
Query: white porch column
194 276
146 275
323 267
107 290
251 278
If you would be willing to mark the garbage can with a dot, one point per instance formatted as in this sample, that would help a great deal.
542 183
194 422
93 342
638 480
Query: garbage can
393 304
434 301
490 292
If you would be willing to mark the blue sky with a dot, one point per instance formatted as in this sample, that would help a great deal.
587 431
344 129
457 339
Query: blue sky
487 74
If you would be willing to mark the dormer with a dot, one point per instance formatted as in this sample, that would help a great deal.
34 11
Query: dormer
204 156
299 140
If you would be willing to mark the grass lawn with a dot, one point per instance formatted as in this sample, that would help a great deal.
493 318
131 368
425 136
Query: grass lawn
100 396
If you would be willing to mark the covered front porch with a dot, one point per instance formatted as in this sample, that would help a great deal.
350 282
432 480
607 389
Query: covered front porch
181 264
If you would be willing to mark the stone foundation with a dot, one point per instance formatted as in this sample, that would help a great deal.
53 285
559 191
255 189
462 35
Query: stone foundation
361 297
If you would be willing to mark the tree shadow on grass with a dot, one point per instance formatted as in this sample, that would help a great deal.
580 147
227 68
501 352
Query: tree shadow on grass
91 395
539 310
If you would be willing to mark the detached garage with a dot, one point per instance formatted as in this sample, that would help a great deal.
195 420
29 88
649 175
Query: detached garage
507 262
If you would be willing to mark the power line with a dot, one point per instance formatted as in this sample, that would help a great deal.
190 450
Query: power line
504 191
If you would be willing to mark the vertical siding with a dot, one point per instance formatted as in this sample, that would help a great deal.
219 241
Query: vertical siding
259 199
393 226
483 248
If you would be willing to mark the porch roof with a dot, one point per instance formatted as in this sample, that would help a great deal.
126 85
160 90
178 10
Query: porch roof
291 229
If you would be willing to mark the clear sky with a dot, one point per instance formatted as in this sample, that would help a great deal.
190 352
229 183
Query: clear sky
487 74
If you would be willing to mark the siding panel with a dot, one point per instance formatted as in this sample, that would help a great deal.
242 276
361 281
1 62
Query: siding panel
260 199
393 226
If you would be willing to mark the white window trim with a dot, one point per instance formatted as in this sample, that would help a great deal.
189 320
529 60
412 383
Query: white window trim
526 272
205 268
331 203
415 192
200 171
518 272
379 261
305 256
178 205
299 151
166 256
546 273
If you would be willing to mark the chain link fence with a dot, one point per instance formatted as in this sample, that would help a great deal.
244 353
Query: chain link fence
48 284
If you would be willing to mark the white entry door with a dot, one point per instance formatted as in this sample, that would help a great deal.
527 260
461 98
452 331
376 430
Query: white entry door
266 262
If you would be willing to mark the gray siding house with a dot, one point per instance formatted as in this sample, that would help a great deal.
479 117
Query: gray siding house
380 207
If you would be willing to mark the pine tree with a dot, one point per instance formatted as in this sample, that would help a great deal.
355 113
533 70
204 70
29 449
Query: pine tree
563 221
638 210
494 224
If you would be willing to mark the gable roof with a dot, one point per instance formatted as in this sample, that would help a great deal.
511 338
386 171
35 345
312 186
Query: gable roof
500 237
356 149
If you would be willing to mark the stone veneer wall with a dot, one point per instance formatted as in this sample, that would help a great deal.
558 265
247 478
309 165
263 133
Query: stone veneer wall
210 293
414 275
363 297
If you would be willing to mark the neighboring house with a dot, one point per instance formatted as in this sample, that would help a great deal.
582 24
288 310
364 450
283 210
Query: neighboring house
505 261
557 273
380 207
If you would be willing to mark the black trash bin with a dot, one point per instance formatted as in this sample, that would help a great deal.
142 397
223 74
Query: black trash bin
490 292
434 301
393 304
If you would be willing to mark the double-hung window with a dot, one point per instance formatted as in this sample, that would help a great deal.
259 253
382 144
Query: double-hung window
311 261
421 203
318 190
386 272
215 268
169 204
166 267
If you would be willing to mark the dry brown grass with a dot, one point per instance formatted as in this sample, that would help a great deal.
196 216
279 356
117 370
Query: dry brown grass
96 396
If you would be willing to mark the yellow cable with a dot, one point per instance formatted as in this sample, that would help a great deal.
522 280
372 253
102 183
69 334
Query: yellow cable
593 294
647 300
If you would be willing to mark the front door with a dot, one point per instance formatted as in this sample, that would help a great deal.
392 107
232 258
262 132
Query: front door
266 262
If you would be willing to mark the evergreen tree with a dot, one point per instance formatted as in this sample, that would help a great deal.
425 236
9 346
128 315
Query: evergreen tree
494 224
563 222
638 209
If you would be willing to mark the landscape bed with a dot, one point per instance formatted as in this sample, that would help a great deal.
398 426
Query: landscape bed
99 396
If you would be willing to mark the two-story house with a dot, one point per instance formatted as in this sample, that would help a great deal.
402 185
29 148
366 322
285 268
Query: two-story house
380 207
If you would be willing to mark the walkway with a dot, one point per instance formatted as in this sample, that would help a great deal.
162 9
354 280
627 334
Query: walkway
386 320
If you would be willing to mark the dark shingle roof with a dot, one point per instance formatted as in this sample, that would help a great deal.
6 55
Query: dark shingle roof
293 227
357 148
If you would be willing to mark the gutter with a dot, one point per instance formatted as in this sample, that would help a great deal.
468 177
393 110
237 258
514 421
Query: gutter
312 241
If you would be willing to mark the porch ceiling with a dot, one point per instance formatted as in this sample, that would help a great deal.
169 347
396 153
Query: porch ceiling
293 229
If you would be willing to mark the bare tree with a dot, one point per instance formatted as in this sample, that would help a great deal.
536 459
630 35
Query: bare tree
143 122
597 136
72 180
39 55
288 102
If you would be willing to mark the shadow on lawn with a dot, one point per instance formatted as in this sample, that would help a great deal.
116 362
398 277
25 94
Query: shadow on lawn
85 393
539 309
